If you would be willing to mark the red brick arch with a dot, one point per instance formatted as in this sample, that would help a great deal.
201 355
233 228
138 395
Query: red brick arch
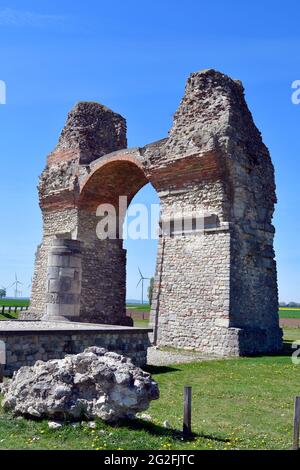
111 177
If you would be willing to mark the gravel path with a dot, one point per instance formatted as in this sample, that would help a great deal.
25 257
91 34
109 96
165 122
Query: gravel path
290 322
157 357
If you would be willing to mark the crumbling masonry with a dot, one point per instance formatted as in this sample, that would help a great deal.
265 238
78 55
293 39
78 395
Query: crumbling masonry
216 288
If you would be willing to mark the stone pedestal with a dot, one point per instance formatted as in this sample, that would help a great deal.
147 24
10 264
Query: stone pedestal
63 281
28 342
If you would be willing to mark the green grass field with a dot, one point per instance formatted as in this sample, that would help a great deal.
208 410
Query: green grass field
14 303
289 313
138 307
141 323
6 315
244 403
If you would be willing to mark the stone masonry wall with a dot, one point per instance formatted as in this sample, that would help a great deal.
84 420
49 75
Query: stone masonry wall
55 223
193 275
215 142
25 348
194 293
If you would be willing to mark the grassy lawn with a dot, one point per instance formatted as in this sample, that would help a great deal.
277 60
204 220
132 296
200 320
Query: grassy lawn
141 323
244 403
12 315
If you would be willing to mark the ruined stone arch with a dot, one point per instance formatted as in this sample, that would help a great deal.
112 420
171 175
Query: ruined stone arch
104 261
215 291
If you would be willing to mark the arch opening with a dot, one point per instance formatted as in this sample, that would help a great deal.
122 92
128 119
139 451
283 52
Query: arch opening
110 180
141 244
114 183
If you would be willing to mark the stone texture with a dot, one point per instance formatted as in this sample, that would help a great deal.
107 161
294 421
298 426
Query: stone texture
29 341
94 383
94 130
63 280
215 289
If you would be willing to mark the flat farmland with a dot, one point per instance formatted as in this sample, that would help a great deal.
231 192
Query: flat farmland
289 312
14 302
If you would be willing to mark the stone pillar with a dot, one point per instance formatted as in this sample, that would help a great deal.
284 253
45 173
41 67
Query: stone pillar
63 281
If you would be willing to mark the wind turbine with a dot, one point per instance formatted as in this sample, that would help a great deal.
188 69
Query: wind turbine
16 284
142 281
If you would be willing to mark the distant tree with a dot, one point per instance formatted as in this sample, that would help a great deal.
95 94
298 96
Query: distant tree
282 304
150 289
293 305
2 293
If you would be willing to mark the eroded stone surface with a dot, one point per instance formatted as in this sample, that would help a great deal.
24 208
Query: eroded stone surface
95 383
94 130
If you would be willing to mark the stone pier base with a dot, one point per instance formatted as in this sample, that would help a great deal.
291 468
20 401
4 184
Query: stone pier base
228 341
28 342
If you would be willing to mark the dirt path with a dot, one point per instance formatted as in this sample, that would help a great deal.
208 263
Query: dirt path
290 322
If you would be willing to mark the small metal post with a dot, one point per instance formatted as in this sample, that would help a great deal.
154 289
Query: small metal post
2 359
187 411
296 424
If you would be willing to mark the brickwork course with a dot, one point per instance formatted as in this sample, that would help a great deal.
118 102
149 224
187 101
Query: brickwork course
215 289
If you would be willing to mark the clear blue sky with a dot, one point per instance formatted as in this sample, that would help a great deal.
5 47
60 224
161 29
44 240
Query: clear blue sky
134 56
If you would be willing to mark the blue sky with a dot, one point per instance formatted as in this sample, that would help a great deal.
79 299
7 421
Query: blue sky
135 56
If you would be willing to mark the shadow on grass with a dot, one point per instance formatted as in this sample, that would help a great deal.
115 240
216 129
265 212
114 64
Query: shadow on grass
160 369
286 351
157 430
9 316
135 424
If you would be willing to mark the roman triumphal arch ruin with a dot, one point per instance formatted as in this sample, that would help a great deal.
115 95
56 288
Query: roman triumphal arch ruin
215 287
